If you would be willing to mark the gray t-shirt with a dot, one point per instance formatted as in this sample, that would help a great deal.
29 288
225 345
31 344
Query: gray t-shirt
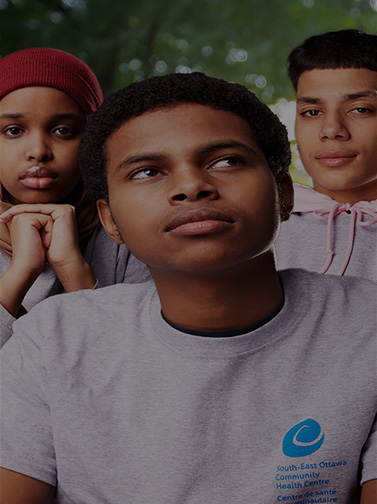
105 399
110 263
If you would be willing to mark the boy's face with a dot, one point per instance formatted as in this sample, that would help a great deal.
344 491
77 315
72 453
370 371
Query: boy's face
40 134
336 131
190 190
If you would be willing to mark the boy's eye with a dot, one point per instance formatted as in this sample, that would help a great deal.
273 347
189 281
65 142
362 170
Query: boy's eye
226 162
12 131
143 173
362 110
310 113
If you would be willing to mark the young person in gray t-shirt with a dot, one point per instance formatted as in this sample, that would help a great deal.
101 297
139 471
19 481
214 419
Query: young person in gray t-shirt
221 380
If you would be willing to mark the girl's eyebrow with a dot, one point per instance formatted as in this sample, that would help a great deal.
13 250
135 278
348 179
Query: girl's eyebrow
55 117
59 117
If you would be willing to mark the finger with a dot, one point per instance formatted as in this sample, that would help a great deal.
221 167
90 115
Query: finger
52 209
46 233
25 221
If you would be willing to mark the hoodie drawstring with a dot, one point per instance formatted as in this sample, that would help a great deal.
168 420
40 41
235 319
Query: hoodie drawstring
356 211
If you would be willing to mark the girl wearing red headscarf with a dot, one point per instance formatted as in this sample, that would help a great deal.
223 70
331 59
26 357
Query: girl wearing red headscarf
50 237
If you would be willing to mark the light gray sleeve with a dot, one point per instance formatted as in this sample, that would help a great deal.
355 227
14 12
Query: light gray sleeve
112 263
25 435
6 321
369 456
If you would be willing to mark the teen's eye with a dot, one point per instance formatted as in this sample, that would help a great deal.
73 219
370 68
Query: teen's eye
362 110
64 131
310 113
227 162
144 173
13 131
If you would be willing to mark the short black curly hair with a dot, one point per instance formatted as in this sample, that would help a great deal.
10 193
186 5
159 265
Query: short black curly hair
333 50
167 91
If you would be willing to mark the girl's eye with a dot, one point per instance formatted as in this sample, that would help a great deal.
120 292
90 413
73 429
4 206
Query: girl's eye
64 131
13 131
226 162
144 173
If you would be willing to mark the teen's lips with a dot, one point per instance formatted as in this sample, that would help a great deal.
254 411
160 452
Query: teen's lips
39 177
333 159
199 222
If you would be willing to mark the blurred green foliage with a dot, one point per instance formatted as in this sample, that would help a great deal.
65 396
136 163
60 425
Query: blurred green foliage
245 41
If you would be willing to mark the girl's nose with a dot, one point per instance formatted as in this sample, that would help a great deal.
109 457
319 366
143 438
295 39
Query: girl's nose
38 148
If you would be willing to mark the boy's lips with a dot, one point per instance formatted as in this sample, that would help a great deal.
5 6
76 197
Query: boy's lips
199 221
335 158
38 177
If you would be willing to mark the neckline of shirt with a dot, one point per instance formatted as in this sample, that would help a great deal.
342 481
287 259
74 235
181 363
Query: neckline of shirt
210 347
226 333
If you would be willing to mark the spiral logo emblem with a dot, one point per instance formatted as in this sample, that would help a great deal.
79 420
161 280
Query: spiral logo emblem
303 439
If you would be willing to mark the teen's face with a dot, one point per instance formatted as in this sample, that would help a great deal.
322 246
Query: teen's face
40 130
336 131
189 189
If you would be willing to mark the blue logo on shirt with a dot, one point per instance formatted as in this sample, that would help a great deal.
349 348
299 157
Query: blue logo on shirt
303 439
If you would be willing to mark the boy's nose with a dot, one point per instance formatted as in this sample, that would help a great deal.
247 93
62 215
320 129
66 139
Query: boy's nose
333 127
38 149
192 185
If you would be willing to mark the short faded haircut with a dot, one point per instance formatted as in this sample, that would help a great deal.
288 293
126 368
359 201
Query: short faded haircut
333 50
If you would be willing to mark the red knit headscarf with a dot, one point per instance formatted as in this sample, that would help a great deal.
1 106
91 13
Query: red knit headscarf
60 70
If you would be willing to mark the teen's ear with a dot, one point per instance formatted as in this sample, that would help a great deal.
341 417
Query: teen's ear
107 220
285 190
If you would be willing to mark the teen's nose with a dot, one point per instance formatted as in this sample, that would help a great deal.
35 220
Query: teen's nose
191 185
333 127
38 148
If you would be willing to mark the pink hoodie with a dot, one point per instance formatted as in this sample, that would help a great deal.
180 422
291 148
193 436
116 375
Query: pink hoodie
347 230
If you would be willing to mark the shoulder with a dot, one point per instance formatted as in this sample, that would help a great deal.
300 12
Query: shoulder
332 285
339 299
333 319
118 296
83 312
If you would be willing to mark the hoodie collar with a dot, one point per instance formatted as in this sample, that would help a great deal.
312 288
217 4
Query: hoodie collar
362 213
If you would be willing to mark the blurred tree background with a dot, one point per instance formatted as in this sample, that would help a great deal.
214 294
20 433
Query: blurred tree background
245 41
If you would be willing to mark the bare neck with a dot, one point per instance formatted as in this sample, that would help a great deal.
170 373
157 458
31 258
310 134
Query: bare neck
352 196
227 299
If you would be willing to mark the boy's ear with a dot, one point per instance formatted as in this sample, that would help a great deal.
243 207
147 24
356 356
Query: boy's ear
107 220
285 190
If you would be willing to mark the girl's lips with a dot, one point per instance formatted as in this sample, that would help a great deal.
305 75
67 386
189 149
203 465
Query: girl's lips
39 182
37 177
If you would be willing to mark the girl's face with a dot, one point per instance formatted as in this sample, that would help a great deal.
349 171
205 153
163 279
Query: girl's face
40 131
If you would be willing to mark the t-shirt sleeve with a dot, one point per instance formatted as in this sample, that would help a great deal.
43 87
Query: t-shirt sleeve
369 456
25 423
